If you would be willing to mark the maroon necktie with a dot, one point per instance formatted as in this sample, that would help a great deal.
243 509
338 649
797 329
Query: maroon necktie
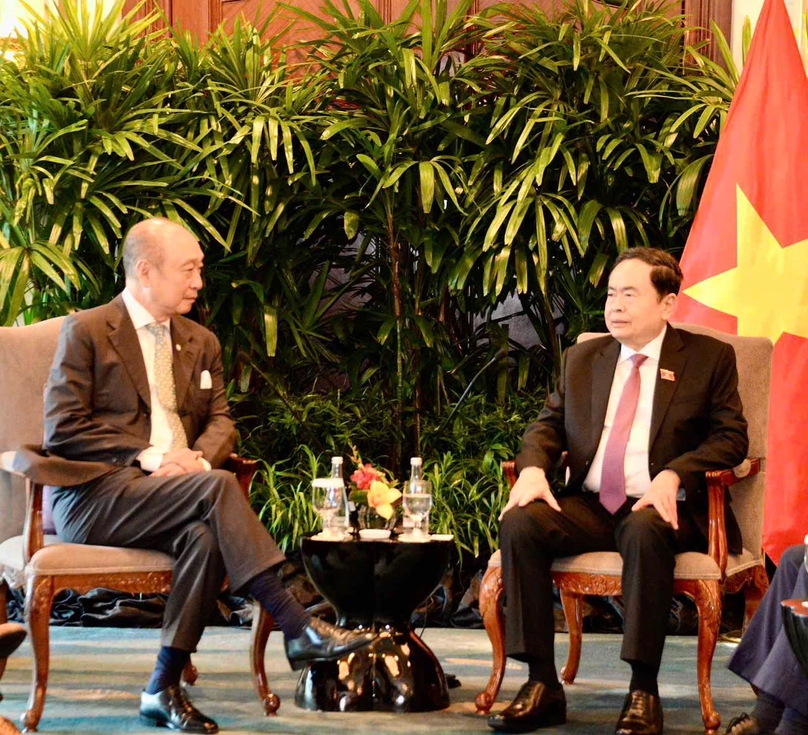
612 478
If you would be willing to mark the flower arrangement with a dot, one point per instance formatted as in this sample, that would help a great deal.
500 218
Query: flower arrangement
373 488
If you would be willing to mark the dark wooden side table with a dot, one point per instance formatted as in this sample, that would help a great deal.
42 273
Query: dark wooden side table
376 585
795 622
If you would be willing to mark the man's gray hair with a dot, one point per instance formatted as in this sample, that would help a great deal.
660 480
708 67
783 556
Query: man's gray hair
141 243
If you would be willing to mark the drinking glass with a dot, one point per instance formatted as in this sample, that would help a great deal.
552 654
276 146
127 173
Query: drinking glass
417 504
328 494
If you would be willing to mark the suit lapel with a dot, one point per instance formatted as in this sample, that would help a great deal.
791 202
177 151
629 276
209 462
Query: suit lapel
672 359
603 367
185 353
123 338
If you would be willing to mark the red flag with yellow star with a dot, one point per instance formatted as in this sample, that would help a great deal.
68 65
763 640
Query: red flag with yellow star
746 260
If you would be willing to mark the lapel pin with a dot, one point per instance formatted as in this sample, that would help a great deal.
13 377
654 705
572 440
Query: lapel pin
667 375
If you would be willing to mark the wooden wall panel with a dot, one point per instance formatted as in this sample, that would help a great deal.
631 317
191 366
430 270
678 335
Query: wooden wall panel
202 16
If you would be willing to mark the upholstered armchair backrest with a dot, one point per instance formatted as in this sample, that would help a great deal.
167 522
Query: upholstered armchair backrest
754 358
26 354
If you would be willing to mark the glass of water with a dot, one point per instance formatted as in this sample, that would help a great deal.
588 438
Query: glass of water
328 494
417 503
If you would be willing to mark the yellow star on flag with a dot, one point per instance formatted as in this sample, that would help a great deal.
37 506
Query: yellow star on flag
768 290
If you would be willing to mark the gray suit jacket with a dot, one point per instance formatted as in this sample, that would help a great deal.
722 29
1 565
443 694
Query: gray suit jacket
97 401
697 421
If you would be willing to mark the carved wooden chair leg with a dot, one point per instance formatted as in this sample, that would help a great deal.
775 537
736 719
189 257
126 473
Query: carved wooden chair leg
38 601
753 594
190 673
494 620
707 595
262 625
11 636
574 613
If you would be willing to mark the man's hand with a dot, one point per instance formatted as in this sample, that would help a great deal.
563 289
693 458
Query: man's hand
169 470
531 485
188 460
662 496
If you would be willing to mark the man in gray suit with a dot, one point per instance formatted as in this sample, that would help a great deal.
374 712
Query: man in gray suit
135 407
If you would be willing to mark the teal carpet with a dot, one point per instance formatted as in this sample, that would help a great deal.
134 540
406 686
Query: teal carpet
97 673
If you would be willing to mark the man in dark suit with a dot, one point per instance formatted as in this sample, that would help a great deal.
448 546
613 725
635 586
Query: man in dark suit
135 407
641 414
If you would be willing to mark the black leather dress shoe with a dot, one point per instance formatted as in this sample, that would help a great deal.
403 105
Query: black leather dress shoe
641 715
746 725
321 641
171 708
535 706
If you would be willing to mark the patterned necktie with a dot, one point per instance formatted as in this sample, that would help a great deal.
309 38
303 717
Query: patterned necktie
164 380
613 478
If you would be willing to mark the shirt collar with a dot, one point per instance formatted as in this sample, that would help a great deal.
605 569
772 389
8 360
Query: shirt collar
652 350
138 313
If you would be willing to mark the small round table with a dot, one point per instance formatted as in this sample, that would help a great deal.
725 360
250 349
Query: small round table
795 622
376 585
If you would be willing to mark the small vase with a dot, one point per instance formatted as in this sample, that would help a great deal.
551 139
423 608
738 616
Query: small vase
369 518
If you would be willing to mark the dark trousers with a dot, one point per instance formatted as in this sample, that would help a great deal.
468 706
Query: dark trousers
533 536
203 520
764 657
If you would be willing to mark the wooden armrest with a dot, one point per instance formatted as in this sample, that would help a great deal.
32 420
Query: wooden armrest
717 482
243 469
509 470
748 468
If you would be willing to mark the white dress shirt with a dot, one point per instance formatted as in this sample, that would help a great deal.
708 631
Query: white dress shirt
151 458
638 478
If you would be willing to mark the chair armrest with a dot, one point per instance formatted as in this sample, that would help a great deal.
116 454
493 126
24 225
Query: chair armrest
509 470
717 482
33 533
243 469
24 463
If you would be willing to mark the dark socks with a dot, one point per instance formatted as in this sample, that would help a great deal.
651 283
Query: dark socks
543 671
768 711
793 723
268 590
168 670
644 678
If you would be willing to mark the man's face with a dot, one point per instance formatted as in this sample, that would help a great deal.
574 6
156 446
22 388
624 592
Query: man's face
634 312
172 287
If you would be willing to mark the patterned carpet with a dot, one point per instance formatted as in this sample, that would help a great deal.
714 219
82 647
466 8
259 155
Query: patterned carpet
96 676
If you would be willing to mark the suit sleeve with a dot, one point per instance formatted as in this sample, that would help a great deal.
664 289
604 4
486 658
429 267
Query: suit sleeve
71 429
218 435
726 442
546 438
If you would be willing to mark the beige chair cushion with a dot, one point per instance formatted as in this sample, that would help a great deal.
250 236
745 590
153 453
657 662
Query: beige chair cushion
690 565
58 557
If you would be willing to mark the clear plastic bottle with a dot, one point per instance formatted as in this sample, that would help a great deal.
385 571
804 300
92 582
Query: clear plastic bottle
336 475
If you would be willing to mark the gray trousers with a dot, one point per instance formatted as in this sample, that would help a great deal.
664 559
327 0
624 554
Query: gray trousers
202 520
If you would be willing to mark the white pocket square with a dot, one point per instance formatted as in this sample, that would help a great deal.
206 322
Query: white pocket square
205 381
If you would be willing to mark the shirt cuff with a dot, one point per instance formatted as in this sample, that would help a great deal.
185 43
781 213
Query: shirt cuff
150 459
205 463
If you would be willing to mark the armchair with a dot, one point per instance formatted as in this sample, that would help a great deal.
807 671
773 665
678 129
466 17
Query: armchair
42 562
703 577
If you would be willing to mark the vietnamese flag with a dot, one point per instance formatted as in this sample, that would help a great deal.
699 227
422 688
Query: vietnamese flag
746 259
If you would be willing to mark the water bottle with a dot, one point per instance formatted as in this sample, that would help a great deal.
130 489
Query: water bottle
336 475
